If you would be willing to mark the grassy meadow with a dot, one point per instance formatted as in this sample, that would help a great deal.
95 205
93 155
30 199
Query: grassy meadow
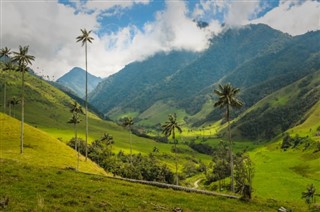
280 176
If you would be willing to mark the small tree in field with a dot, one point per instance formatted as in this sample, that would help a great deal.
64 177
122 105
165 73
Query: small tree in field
244 172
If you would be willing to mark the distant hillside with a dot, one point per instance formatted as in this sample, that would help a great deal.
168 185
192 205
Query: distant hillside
125 88
75 80
284 109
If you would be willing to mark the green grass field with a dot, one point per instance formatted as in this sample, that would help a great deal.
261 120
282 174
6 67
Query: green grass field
279 175
284 175
54 189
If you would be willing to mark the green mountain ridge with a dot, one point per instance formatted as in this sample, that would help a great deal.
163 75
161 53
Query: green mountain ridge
256 58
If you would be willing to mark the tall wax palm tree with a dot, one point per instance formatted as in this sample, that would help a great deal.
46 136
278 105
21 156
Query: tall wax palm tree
169 128
23 59
228 99
127 123
76 109
85 38
5 52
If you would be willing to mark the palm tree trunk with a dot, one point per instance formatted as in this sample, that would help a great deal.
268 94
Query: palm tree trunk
86 102
175 157
77 146
75 135
130 147
4 96
10 110
22 113
230 148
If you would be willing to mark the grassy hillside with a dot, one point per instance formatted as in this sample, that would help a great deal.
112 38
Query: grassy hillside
283 175
40 148
55 189
281 110
47 108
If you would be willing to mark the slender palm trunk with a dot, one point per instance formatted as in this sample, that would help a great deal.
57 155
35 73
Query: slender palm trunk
75 135
86 102
175 157
130 147
22 114
13 111
9 109
4 96
77 146
230 149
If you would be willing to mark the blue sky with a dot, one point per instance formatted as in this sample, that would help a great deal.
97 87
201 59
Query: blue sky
133 30
117 17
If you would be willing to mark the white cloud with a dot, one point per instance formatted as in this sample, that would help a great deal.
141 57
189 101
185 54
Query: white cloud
239 12
294 17
51 28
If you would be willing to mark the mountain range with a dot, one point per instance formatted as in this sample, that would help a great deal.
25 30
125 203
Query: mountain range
256 58
75 80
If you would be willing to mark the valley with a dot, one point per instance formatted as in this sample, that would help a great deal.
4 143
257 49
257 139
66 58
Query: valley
276 126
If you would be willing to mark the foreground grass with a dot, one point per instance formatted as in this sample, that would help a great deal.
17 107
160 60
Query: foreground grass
31 188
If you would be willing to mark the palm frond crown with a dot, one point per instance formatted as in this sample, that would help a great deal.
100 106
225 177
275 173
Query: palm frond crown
76 108
5 52
22 58
170 126
227 96
85 36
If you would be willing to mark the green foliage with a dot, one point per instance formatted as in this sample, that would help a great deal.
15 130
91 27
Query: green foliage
189 169
78 144
244 173
294 142
201 147
221 166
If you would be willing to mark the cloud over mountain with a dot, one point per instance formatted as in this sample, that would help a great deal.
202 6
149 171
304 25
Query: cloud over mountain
50 28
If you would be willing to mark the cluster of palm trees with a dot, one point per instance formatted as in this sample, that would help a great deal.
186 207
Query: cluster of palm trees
22 59
76 110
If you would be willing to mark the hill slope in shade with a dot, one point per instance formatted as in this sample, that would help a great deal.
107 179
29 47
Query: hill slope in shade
75 80
282 110
40 148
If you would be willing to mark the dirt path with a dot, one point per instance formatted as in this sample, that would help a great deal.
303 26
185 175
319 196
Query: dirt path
196 184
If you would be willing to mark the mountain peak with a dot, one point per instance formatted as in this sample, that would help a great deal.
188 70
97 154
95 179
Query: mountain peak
75 81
